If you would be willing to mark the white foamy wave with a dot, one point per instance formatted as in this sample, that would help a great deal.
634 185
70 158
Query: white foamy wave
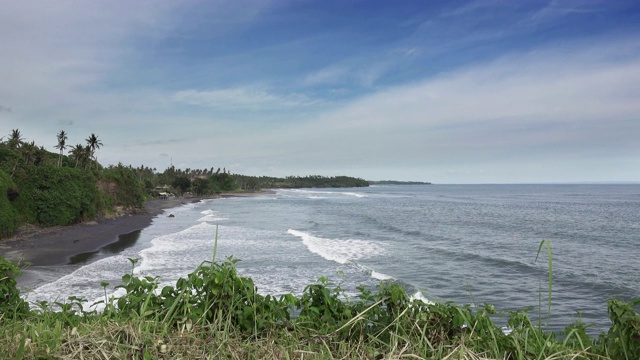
184 207
354 194
207 212
211 218
419 296
338 250
312 194
380 276
84 282
178 253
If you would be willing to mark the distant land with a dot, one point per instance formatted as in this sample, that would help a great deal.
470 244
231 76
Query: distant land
396 182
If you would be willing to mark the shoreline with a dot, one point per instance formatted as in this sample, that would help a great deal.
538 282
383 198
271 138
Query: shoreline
56 246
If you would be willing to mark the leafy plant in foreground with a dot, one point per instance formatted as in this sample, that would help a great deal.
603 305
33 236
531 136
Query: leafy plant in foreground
11 304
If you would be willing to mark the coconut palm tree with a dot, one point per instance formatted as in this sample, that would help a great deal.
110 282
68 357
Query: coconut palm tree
28 151
79 153
62 144
15 139
93 143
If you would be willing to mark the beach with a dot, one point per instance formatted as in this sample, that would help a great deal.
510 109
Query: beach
44 252
56 245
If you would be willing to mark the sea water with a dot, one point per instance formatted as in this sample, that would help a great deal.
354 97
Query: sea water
468 244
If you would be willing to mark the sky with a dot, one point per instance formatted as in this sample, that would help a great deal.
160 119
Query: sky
441 91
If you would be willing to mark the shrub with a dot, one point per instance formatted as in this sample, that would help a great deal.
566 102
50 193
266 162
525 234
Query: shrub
52 195
11 304
9 219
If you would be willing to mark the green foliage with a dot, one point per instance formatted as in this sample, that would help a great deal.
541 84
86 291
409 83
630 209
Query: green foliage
214 293
127 190
9 220
11 304
294 182
623 338
550 264
383 323
201 186
51 195
220 182
182 183
321 307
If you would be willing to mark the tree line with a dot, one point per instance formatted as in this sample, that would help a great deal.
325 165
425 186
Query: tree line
46 188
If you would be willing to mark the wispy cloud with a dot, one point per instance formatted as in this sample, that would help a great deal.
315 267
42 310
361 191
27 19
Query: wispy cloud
329 75
556 9
524 109
489 87
252 98
65 122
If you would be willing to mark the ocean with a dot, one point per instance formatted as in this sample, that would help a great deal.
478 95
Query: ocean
466 244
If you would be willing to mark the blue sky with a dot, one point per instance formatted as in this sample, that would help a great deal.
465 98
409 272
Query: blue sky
447 91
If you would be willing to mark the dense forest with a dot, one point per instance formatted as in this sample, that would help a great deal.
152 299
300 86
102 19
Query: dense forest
396 182
44 188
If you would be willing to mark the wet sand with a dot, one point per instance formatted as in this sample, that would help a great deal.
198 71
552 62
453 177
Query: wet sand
58 245
52 252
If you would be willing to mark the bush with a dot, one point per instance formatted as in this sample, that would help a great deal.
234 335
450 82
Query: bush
9 219
129 189
52 195
11 304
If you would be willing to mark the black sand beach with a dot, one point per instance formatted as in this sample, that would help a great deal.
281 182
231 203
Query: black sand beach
60 245
57 245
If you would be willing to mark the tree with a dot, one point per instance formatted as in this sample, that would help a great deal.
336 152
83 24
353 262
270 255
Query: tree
200 186
28 151
62 144
182 182
79 153
15 139
93 143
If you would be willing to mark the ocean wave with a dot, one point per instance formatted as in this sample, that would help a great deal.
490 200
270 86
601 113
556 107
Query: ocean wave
380 276
311 193
339 250
167 253
211 218
419 296
344 251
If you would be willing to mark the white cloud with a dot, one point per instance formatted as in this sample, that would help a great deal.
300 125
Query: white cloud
536 87
329 75
240 98
551 115
551 109
556 9
573 106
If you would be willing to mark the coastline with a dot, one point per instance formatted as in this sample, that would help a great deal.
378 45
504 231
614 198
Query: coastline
54 246
58 244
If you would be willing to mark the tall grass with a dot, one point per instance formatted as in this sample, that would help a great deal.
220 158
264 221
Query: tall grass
550 262
214 313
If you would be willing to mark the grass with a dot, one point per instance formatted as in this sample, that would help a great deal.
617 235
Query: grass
213 313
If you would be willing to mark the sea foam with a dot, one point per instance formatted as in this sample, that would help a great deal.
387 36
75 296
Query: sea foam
341 251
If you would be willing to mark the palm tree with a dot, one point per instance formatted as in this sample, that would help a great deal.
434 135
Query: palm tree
93 143
28 151
62 144
15 139
79 153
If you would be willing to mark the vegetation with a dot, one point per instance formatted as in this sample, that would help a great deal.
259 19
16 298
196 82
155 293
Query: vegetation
9 219
396 182
49 195
215 313
44 188
296 182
